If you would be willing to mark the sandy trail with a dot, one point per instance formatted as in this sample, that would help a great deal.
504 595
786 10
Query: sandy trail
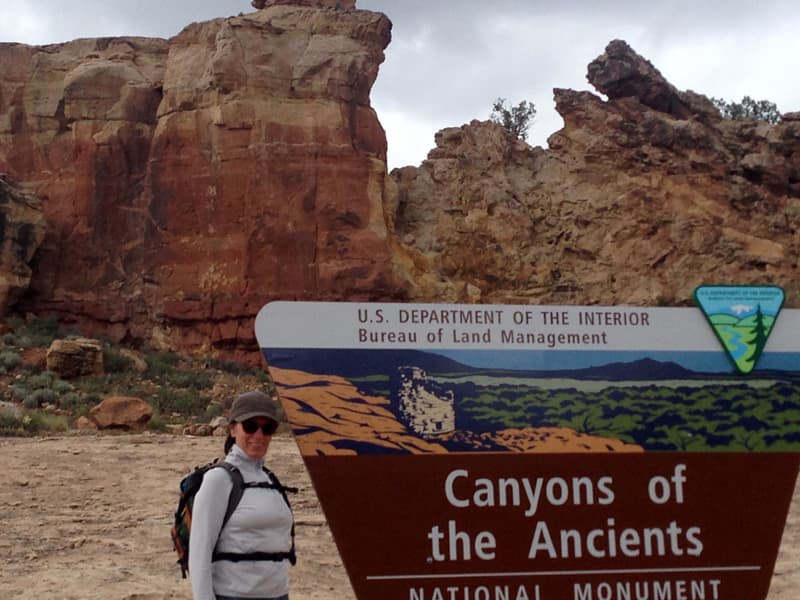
87 517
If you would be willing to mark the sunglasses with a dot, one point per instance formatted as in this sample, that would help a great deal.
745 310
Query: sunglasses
251 426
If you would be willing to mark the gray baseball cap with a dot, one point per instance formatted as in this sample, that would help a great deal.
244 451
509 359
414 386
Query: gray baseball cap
254 404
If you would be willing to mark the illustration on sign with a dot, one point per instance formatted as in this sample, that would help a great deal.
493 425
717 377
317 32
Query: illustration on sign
742 317
495 452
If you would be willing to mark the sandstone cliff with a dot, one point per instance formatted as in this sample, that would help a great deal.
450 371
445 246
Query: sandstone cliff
22 229
187 182
639 199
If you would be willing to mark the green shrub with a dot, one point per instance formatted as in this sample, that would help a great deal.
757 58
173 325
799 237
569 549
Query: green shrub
31 423
156 423
41 380
40 397
9 360
40 332
227 366
62 387
197 380
213 410
182 402
116 362
30 402
73 402
161 363
19 392
9 339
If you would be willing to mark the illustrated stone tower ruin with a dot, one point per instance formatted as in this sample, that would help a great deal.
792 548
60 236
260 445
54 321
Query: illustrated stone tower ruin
425 407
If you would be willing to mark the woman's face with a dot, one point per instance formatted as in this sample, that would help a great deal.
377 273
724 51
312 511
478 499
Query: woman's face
254 444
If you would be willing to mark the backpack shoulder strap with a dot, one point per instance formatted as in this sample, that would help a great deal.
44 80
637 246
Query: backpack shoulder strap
236 491
292 556
278 485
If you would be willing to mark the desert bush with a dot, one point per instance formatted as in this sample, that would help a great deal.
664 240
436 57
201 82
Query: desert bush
41 380
74 403
31 423
156 423
60 387
115 362
38 332
183 402
19 392
227 366
197 380
161 363
40 397
9 360
213 410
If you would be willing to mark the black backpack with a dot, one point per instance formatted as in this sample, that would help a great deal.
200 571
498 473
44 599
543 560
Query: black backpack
182 526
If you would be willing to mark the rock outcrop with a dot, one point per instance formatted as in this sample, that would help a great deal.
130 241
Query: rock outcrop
75 357
22 229
639 199
187 182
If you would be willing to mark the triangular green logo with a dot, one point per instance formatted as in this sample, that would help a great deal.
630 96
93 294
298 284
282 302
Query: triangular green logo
742 317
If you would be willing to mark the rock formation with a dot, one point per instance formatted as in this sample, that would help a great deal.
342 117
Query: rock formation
639 199
22 229
187 182
75 357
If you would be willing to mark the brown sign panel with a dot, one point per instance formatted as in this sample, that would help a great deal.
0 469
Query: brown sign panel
505 452
557 525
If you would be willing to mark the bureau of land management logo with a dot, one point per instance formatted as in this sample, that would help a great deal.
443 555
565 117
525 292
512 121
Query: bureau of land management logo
742 317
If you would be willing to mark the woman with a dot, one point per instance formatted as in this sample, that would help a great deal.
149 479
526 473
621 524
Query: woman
248 557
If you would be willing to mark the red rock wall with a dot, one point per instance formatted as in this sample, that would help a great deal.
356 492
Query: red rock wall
187 182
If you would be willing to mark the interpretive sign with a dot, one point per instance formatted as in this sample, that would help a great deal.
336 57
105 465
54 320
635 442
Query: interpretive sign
499 452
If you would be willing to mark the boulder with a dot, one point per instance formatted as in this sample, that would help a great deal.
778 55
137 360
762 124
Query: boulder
75 357
121 412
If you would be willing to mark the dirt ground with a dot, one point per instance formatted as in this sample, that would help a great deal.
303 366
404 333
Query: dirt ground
87 517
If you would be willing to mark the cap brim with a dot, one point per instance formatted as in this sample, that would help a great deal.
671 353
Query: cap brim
250 415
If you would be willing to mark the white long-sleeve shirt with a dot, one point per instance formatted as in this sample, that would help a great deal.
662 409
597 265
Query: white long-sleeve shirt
262 522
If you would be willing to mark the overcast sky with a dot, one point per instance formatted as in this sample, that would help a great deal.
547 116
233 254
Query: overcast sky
450 59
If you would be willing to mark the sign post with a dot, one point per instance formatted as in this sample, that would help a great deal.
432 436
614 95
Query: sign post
487 452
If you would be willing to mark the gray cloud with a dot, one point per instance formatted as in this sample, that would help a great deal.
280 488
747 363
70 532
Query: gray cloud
449 59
